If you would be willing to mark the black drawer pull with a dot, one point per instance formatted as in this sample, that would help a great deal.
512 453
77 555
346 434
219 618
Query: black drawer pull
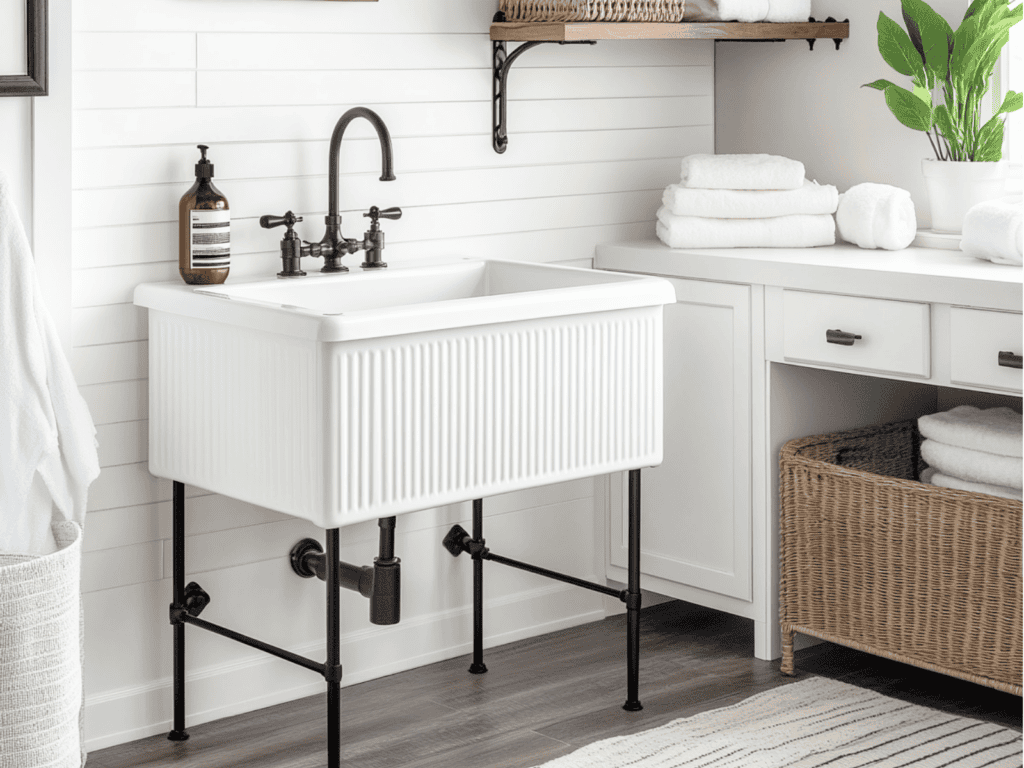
841 337
1010 360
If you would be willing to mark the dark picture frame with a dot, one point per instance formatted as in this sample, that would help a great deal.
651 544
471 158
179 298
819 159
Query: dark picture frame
34 83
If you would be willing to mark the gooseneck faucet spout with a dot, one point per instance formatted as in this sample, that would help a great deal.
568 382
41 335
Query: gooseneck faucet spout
386 169
335 245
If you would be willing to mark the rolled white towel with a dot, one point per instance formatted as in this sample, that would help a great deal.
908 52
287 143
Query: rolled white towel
974 466
877 216
993 430
993 230
933 477
726 10
788 10
741 172
780 232
811 198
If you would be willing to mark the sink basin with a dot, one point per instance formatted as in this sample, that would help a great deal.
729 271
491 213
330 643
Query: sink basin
344 398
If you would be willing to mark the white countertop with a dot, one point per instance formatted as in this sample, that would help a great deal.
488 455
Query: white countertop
913 274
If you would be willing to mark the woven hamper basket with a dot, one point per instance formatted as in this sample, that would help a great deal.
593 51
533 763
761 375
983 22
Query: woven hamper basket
874 560
41 656
592 10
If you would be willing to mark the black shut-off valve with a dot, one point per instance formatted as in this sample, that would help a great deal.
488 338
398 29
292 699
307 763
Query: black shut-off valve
373 238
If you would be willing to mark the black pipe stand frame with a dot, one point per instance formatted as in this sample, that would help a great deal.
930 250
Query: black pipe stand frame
190 600
458 541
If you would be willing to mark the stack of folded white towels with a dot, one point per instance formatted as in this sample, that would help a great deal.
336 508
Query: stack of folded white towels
746 201
974 450
747 10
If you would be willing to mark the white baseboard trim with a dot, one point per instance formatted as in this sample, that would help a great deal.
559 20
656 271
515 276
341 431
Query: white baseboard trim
256 681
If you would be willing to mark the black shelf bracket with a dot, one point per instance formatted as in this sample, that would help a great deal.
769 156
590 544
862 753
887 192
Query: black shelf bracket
830 20
501 62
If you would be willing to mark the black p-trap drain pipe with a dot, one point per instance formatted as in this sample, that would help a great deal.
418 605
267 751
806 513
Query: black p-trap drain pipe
381 582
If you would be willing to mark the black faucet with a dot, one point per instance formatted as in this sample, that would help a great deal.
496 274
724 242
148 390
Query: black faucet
334 245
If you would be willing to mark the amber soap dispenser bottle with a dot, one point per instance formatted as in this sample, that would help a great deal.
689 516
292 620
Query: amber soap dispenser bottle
204 229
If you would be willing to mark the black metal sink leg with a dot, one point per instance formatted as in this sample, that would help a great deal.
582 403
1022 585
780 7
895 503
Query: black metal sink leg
332 671
177 607
633 598
478 667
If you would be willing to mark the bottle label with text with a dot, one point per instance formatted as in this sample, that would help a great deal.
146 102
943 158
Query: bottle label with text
209 239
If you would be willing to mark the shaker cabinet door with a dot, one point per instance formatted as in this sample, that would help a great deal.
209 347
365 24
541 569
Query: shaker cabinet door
696 506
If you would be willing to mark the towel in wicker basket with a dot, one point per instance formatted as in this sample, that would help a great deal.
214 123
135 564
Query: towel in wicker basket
593 10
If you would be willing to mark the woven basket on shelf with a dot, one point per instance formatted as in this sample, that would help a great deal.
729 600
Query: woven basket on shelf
872 559
592 10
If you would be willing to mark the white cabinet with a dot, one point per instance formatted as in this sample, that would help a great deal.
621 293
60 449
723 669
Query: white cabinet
696 528
748 366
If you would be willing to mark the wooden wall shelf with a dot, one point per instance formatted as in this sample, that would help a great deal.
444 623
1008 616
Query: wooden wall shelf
533 33
554 31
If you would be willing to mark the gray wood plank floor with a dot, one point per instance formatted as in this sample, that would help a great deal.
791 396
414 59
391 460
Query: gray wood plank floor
542 698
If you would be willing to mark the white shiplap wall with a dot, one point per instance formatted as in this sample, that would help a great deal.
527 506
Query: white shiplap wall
596 134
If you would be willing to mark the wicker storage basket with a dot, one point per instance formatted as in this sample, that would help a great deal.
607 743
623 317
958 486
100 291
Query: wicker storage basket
592 10
876 561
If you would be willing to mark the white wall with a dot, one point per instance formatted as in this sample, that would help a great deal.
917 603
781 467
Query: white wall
16 152
784 99
596 134
35 155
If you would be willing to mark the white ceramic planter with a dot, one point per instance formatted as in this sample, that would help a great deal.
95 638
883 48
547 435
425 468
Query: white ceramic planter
955 187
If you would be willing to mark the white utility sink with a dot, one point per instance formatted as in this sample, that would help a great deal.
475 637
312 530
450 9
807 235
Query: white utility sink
350 397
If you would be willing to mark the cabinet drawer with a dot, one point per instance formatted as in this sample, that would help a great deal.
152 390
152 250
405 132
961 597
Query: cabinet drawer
976 337
894 336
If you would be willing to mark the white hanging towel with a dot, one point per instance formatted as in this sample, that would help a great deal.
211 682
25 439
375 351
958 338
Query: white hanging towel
788 10
47 438
811 198
877 216
779 232
741 172
993 430
994 230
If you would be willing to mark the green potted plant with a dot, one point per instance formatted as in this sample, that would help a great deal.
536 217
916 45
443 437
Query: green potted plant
950 73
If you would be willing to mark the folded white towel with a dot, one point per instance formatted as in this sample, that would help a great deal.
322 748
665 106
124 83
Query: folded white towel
47 438
877 216
993 430
811 198
994 230
974 466
779 232
726 10
788 10
742 172
932 476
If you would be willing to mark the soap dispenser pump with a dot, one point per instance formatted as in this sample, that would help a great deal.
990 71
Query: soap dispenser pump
204 229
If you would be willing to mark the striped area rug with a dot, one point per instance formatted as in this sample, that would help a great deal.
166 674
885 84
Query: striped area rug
816 723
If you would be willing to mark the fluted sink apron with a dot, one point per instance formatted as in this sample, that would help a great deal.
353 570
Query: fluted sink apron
340 399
